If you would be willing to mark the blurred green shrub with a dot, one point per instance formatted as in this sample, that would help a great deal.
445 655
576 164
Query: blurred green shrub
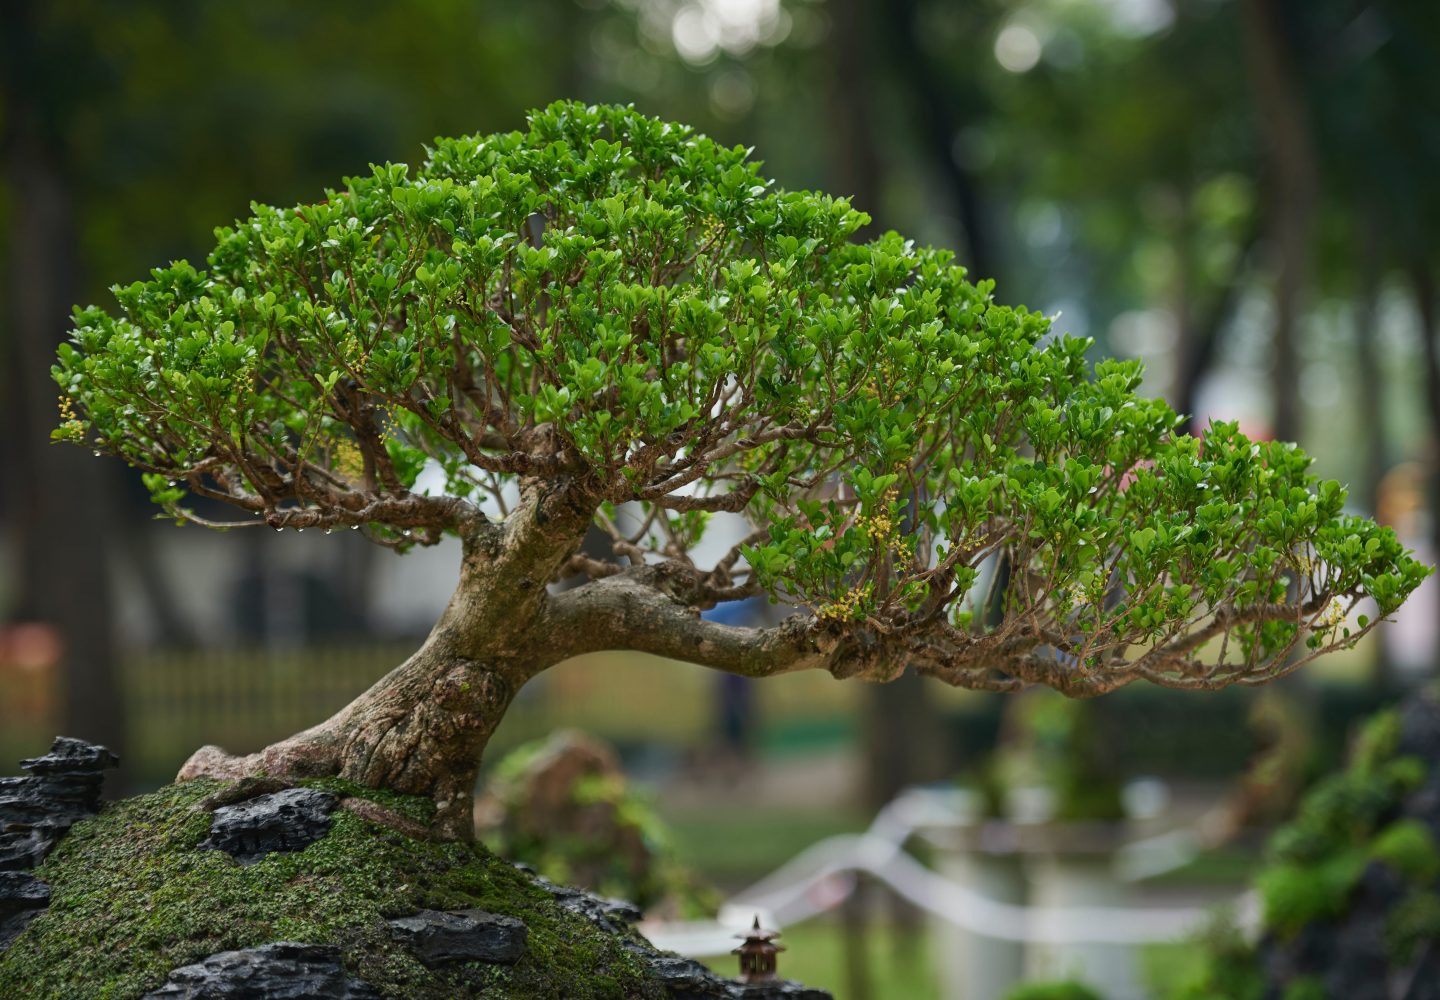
1359 863
1066 990
562 806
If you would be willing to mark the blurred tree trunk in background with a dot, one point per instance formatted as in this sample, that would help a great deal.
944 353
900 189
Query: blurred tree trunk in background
901 733
940 123
856 937
1368 376
1200 333
849 90
66 497
1422 277
1291 188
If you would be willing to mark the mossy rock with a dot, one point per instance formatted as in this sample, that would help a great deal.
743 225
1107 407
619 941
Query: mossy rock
1352 890
134 896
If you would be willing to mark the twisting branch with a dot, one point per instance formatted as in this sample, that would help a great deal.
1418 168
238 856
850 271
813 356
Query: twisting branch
656 609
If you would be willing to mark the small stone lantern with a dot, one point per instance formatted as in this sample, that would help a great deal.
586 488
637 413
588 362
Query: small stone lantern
757 954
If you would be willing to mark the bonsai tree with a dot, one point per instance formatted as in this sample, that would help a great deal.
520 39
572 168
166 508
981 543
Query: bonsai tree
610 321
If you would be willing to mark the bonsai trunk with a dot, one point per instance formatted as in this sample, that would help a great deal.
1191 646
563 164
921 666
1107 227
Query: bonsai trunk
421 729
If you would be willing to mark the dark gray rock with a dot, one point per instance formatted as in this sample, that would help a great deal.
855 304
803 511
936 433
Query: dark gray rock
72 758
1425 978
613 915
63 787
1420 727
288 820
12 926
23 897
22 891
281 971
1347 954
687 979
48 801
439 938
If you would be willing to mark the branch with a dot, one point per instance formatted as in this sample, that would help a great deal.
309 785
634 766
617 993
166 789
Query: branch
656 609
423 519
645 609
595 569
732 502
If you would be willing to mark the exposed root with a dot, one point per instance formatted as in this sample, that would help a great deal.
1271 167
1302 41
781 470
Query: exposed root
308 755
251 786
243 790
212 762
376 813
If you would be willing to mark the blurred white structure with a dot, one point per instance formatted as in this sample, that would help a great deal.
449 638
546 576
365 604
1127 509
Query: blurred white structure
1004 919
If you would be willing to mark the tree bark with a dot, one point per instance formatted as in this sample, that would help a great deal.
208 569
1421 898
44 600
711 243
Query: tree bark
421 729
1201 332
1369 379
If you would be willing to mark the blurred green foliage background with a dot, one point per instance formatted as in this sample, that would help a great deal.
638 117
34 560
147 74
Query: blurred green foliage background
1242 192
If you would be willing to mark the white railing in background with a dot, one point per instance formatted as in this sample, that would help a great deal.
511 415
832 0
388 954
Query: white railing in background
823 876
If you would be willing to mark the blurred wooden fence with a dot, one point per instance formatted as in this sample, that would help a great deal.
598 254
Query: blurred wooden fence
176 701
243 699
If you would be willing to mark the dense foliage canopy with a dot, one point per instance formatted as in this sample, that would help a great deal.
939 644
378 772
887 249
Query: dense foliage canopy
616 303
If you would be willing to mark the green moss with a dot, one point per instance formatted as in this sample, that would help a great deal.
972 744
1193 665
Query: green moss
133 897
417 808
1346 821
1408 846
1345 809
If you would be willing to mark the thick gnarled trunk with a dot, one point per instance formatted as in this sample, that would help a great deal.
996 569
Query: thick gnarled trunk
419 730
